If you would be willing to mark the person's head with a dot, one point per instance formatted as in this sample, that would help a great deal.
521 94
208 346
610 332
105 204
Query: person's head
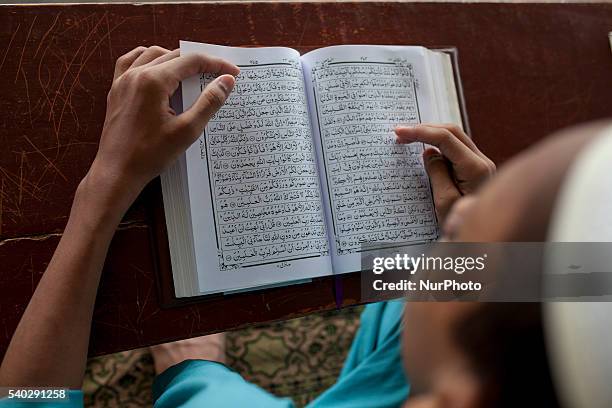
473 355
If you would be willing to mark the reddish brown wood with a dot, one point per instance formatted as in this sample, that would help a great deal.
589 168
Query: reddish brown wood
527 69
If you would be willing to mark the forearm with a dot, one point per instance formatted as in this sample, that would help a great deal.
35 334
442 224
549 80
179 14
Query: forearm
141 137
50 344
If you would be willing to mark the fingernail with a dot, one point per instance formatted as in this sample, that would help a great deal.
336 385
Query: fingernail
226 83
399 128
405 132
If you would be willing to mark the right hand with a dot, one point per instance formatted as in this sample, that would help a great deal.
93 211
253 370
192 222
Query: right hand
455 167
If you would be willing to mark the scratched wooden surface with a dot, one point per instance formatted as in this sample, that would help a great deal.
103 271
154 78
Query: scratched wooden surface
527 70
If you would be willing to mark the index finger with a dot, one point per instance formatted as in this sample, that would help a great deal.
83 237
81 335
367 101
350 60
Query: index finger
462 136
448 144
458 132
185 66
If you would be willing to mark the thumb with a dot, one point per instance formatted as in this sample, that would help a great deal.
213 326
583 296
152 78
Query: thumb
445 192
210 101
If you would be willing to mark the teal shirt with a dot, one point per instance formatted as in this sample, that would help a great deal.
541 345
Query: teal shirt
372 376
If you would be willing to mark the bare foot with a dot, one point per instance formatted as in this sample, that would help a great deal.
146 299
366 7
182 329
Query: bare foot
211 348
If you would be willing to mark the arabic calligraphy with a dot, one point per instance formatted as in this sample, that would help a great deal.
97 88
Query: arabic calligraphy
378 189
263 174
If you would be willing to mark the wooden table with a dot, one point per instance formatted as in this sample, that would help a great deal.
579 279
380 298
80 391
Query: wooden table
527 70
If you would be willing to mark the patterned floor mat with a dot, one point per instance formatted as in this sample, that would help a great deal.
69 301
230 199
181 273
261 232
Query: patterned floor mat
296 358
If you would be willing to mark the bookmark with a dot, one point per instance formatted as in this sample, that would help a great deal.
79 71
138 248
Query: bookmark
338 291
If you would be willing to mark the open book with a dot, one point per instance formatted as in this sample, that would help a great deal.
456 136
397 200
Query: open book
300 167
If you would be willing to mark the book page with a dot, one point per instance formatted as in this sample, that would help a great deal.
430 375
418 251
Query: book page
375 190
254 189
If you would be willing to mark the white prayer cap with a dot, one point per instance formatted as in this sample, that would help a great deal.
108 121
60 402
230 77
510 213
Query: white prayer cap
579 334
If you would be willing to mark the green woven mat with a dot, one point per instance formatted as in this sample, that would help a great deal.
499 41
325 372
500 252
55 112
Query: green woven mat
296 358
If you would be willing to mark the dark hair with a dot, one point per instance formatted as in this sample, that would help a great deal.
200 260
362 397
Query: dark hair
504 343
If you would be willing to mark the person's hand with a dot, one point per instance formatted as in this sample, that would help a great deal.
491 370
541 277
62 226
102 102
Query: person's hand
210 348
142 135
455 167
